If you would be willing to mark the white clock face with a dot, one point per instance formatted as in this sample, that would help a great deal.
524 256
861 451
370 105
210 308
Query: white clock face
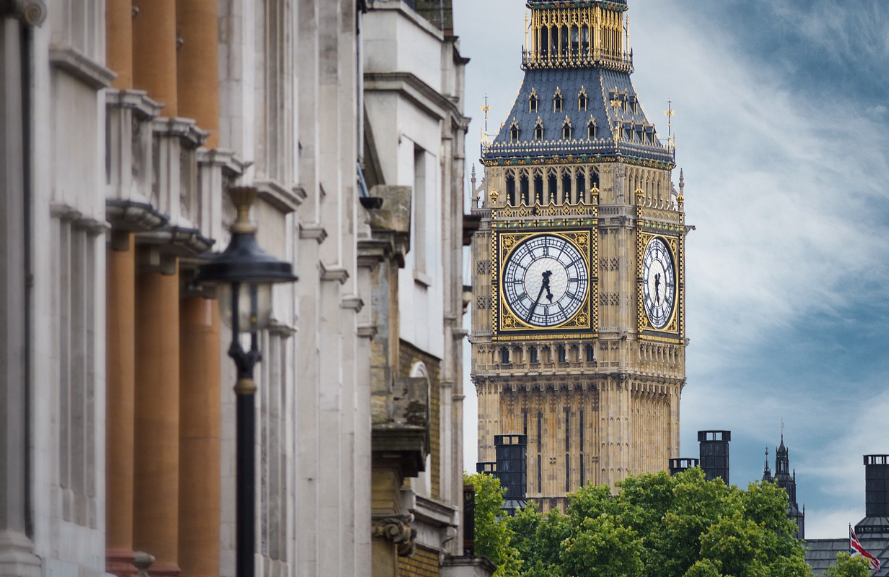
545 281
658 283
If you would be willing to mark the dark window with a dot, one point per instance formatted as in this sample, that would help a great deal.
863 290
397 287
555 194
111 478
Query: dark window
567 429
563 355
539 475
580 426
534 359
525 423
538 132
567 473
504 355
557 103
525 192
532 103
582 480
590 354
539 430
591 131
566 131
582 102
510 189
552 186
514 133
566 186
581 187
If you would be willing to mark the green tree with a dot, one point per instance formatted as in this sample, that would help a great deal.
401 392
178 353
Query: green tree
848 566
493 535
658 525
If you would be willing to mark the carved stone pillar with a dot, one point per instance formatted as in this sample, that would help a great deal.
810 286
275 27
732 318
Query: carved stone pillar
119 41
199 434
156 499
16 549
120 382
154 52
198 82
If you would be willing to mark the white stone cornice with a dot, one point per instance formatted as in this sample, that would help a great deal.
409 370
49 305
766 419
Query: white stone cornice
352 303
137 100
273 192
313 232
81 67
334 273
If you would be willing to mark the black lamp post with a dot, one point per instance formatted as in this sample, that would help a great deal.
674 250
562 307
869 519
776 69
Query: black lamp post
244 275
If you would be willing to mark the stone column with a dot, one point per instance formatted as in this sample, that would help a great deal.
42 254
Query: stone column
199 437
16 549
119 41
120 414
156 499
198 75
154 52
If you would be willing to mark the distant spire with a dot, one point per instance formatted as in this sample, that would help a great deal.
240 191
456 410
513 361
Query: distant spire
767 472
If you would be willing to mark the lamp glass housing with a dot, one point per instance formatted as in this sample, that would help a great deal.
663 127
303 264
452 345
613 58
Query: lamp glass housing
249 320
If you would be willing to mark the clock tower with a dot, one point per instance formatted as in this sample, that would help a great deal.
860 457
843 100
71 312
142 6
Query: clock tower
578 331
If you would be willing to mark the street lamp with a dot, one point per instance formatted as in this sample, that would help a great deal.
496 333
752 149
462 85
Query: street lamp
243 276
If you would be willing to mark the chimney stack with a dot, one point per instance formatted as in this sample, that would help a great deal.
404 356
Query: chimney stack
715 454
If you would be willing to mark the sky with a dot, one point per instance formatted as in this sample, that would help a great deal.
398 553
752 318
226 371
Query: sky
782 126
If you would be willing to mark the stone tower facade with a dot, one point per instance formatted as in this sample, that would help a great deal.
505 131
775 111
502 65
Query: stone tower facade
578 336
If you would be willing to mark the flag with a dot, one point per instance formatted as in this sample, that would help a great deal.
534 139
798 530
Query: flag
855 548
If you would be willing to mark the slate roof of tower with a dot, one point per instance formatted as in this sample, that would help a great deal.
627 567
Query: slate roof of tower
558 3
602 86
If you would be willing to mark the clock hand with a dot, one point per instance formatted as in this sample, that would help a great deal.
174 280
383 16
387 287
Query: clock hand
549 293
544 286
657 284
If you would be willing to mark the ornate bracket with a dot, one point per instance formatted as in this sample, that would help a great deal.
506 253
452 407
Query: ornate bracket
397 529
30 12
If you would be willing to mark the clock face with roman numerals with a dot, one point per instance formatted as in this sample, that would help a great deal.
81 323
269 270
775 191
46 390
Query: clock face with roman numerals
658 283
545 281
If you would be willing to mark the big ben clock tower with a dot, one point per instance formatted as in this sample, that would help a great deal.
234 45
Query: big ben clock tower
578 336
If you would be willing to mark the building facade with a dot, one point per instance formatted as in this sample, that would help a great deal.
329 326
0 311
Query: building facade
124 122
578 331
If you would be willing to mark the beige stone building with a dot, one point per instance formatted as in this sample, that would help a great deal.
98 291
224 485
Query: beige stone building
578 331
123 123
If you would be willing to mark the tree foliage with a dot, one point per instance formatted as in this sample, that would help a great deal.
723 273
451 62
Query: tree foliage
658 526
493 538
848 566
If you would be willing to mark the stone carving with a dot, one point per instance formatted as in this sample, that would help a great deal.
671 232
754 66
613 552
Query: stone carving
30 12
398 530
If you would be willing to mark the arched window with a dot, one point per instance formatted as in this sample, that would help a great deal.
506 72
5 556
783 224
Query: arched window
582 100
591 130
538 130
504 355
557 101
566 130
514 131
510 190
532 101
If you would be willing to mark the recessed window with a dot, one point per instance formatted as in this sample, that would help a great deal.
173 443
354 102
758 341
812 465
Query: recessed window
591 130
590 354
504 355
566 131
582 100
534 358
562 354
538 130
514 132
532 102
557 103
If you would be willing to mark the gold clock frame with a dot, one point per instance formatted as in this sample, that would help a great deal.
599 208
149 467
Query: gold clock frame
674 329
509 327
